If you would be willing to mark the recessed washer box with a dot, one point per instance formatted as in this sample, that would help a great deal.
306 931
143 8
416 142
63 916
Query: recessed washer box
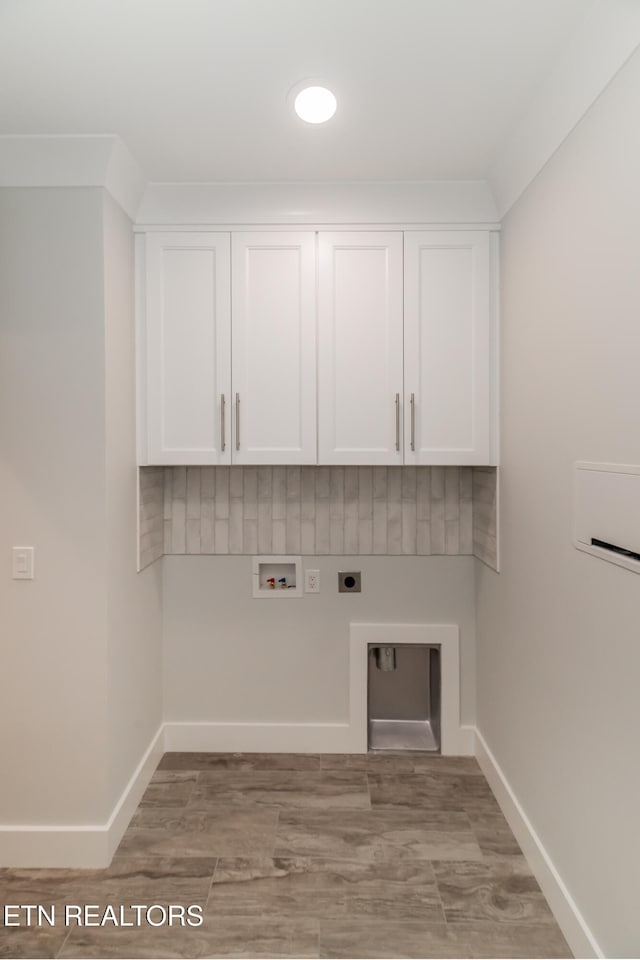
277 578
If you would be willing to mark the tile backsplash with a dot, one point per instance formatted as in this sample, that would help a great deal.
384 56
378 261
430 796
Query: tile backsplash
485 532
150 515
313 511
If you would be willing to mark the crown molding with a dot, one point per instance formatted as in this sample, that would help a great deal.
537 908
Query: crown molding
73 161
606 39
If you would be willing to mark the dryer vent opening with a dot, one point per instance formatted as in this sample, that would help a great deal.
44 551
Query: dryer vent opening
404 697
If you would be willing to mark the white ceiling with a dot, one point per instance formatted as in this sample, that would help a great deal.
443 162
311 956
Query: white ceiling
197 89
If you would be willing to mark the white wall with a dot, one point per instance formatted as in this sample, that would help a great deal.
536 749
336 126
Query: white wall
558 630
53 671
134 613
228 657
80 687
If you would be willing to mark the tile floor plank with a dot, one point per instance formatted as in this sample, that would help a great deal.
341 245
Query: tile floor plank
501 940
368 762
184 878
424 791
218 937
351 938
32 944
494 835
316 887
377 835
282 788
504 891
355 938
456 766
401 761
217 830
240 761
169 788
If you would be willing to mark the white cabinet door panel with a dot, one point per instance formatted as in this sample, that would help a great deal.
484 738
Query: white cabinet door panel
447 343
273 348
188 329
360 347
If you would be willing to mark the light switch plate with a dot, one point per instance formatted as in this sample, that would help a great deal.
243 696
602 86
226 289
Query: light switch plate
23 563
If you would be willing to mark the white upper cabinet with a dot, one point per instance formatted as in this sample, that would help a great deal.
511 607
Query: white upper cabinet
447 339
187 340
273 347
335 347
360 348
227 386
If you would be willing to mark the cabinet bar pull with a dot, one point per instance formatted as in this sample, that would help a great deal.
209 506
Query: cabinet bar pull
223 439
413 421
397 421
237 421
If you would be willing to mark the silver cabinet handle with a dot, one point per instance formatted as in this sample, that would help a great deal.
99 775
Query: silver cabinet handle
223 439
413 421
397 421
237 421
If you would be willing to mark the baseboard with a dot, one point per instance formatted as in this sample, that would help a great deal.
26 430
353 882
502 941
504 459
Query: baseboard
258 737
132 793
570 920
26 846
277 738
90 846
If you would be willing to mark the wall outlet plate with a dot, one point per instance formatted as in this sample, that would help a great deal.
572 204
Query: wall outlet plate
350 581
312 581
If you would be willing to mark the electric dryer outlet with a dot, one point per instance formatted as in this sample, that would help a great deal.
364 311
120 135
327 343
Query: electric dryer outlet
350 581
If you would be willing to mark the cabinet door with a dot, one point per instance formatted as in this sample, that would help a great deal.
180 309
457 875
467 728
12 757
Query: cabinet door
447 347
273 347
188 347
360 348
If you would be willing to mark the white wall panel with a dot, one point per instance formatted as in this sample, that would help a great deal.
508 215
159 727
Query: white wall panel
558 651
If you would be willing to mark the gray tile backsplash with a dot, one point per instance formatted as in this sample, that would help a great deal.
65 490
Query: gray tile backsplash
151 482
485 532
316 511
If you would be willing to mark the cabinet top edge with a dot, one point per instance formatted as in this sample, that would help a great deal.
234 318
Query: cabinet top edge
309 227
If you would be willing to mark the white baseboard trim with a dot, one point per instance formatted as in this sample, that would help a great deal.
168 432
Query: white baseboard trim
278 738
258 737
571 922
132 793
91 845
26 846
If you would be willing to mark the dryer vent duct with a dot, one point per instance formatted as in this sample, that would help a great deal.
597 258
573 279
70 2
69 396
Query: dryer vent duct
385 658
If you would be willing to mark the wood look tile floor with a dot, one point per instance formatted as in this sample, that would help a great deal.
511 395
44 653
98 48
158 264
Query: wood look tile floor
379 855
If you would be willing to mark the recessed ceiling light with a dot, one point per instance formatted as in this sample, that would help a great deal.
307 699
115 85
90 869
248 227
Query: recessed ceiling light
315 104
